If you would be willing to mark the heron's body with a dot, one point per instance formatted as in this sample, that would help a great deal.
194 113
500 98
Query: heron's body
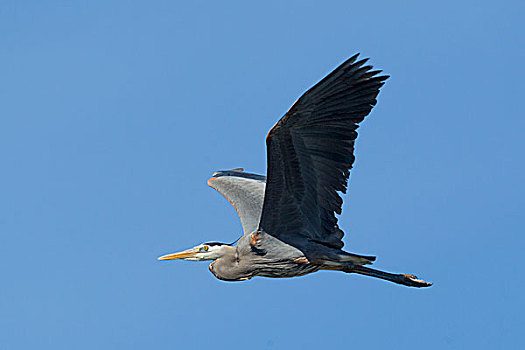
238 264
288 218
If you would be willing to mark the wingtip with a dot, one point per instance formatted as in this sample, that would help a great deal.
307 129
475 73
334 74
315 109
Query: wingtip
354 57
360 62
211 179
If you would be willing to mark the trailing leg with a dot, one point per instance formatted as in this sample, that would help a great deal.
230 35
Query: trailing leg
405 279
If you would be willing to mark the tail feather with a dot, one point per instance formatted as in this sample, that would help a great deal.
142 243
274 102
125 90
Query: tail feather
358 259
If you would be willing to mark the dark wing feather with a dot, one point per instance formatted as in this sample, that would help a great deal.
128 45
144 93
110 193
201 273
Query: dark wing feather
310 154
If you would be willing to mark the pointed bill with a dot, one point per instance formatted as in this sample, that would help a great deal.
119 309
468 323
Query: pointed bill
190 253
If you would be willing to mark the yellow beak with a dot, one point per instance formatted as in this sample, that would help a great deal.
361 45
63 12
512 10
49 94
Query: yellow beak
190 253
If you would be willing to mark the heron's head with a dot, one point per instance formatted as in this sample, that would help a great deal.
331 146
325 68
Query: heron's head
202 252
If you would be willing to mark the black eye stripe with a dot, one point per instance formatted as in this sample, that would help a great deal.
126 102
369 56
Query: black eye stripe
211 244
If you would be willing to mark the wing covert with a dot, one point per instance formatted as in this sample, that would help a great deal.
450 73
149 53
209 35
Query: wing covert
244 191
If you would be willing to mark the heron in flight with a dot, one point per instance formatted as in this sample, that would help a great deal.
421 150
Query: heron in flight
289 217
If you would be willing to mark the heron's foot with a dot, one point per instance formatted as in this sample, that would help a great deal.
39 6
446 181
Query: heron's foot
254 239
413 281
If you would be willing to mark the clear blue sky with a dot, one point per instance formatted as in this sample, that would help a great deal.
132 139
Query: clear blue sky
114 114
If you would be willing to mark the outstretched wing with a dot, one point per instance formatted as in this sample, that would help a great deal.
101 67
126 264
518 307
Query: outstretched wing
244 191
310 154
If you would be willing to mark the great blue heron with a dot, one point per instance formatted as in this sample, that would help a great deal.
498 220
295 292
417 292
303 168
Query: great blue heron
288 218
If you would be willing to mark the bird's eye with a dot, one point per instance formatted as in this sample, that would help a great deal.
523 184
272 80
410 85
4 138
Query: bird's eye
205 248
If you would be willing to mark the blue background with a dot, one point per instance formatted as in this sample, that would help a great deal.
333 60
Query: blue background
114 114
